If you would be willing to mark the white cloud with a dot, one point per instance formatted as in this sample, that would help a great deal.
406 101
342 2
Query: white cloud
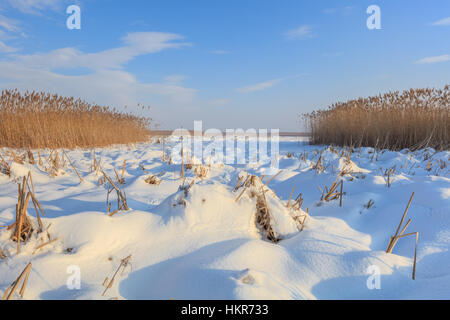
259 86
443 22
36 6
8 28
174 79
436 59
268 84
301 32
106 82
220 52
137 44
5 48
9 24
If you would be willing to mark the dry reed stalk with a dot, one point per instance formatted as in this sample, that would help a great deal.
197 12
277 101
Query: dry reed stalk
182 160
54 163
123 264
290 197
400 234
122 178
71 164
306 216
241 194
276 175
4 167
40 159
319 166
30 156
117 177
238 184
121 198
263 217
329 195
30 178
43 245
110 214
37 205
394 239
22 224
9 293
415 250
16 158
298 202
415 256
387 176
164 150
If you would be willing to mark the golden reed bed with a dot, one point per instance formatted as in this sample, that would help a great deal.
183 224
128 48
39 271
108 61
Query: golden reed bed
41 120
413 119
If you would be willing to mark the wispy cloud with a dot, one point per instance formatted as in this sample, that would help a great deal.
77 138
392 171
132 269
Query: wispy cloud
105 82
442 22
268 84
136 44
9 24
345 11
437 59
302 32
36 6
9 28
4 48
259 86
219 52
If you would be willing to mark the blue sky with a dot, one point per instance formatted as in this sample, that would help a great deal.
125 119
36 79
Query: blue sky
231 63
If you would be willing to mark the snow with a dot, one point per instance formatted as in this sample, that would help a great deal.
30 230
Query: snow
203 244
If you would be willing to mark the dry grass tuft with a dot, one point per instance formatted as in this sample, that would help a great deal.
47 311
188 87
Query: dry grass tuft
23 227
153 180
41 120
201 171
263 217
413 119
23 277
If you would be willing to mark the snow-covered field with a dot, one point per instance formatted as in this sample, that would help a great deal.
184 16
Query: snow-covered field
200 243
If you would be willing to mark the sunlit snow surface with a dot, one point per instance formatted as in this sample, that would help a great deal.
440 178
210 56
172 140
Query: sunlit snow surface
211 248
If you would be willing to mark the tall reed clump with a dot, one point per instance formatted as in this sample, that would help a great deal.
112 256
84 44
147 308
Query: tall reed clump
42 120
413 119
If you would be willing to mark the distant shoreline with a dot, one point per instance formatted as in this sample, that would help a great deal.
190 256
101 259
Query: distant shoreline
281 134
